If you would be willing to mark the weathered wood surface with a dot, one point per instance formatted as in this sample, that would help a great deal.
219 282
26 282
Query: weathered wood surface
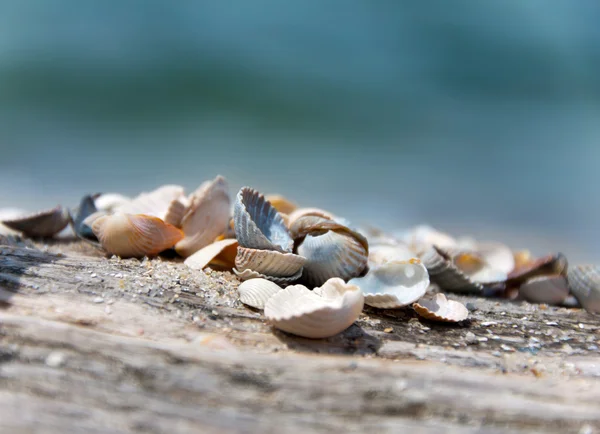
90 344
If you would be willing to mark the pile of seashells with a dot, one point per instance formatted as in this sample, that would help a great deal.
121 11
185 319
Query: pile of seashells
307 268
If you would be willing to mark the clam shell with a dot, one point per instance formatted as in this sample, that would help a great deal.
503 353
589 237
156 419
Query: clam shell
9 214
176 211
316 314
497 255
41 224
441 309
87 207
251 274
135 235
154 203
256 292
221 253
547 265
258 225
305 212
269 262
422 237
545 289
584 282
446 274
380 254
110 202
394 284
207 216
281 204
332 254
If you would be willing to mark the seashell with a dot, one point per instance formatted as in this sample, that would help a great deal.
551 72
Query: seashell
87 207
281 204
584 282
176 211
321 313
221 253
155 203
545 289
497 256
446 274
305 212
251 274
422 237
333 254
9 214
110 202
206 217
380 254
269 262
547 265
522 258
256 292
41 224
441 309
394 284
258 225
135 235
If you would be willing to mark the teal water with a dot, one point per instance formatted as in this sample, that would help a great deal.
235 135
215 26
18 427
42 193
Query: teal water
477 117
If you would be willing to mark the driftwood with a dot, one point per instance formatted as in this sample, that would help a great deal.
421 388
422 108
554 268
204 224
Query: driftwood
98 345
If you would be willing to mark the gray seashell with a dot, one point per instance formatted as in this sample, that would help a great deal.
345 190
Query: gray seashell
332 254
251 274
545 289
41 224
584 282
258 225
441 309
269 262
82 229
256 292
446 274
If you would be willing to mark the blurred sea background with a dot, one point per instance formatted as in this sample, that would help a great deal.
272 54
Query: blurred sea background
479 118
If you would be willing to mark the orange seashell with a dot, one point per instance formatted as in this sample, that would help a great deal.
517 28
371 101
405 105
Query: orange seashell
221 253
135 235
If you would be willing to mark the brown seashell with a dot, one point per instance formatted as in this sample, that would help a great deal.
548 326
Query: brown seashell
441 309
221 253
306 212
10 214
268 262
41 224
251 274
135 235
584 282
545 289
207 216
281 204
547 265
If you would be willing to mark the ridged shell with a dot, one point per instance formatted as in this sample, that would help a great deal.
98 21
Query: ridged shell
441 309
380 254
547 265
110 202
221 253
281 204
305 212
207 216
584 281
256 292
269 262
443 272
258 225
154 203
316 314
332 254
176 211
251 274
87 207
545 289
135 235
41 224
394 284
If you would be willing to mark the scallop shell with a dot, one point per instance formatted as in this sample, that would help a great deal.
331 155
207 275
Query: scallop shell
380 254
155 203
332 254
441 309
207 216
87 207
394 284
281 204
316 314
584 281
221 253
251 274
545 289
110 202
547 265
176 211
446 274
258 225
41 224
256 292
135 235
269 262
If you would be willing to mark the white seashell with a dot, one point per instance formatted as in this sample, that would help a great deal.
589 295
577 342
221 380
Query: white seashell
251 274
110 202
176 211
422 237
446 274
256 292
269 262
545 289
441 309
155 203
394 284
497 256
138 235
584 282
380 254
321 313
40 224
207 216
222 252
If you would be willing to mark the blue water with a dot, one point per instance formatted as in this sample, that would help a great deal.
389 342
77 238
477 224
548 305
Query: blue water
477 117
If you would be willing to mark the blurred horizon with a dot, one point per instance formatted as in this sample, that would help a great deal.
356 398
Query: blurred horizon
477 118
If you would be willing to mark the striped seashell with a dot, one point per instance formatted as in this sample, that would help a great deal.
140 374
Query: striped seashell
135 235
176 211
256 292
321 313
269 262
251 274
441 309
306 212
220 253
545 289
258 225
446 274
281 204
40 224
584 282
